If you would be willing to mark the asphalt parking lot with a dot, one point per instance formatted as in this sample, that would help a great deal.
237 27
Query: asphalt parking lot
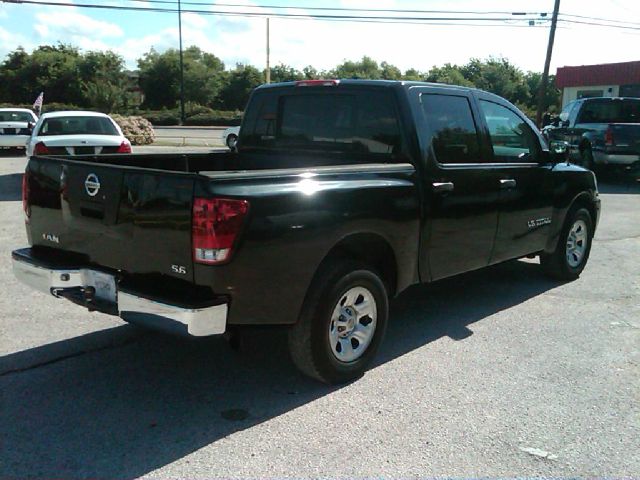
500 372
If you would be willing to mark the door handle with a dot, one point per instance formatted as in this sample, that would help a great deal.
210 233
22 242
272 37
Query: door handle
439 187
507 183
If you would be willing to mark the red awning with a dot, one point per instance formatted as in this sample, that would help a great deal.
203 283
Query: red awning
624 73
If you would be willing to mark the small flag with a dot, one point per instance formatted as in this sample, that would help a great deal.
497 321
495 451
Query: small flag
37 105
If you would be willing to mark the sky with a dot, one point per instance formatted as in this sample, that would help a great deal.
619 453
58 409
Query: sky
324 44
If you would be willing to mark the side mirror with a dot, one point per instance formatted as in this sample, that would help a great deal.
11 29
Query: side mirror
30 126
559 150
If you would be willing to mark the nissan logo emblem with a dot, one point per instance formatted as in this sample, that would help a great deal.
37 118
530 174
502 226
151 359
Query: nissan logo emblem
92 185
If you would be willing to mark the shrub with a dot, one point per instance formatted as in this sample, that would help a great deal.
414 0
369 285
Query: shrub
56 107
138 130
215 118
162 117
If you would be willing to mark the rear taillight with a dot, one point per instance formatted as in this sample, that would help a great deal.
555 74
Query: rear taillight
25 196
125 147
216 223
608 137
41 149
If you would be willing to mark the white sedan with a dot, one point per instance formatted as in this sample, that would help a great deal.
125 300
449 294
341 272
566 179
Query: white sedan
77 133
230 137
15 127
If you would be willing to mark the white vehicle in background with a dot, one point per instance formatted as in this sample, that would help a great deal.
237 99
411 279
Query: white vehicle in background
77 133
15 127
230 137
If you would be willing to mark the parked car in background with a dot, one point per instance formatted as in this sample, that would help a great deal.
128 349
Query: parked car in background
230 137
599 131
15 127
77 133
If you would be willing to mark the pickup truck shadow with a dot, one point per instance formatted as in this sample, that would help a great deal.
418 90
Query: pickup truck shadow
11 187
619 182
127 409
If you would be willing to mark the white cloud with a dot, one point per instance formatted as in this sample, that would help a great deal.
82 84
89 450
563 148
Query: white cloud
60 24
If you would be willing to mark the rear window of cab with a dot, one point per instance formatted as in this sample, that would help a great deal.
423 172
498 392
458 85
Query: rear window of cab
359 122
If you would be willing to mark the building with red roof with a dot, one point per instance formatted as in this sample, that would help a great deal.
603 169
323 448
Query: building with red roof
605 80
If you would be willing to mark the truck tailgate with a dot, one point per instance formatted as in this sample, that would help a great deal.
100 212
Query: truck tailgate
626 135
123 218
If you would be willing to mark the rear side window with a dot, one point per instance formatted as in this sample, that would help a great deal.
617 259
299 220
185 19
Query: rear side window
358 122
610 111
455 137
511 138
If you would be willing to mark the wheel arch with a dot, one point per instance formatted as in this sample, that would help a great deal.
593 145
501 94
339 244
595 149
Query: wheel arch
367 247
582 199
585 200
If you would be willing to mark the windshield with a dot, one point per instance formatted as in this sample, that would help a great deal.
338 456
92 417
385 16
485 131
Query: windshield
610 111
77 126
15 116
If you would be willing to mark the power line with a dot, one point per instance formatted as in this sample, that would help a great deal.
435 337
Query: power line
430 20
265 14
344 9
599 19
598 24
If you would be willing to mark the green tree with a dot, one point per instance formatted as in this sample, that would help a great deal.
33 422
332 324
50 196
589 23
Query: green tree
160 77
414 75
285 73
367 68
449 74
241 81
104 81
497 75
552 94
52 69
390 72
310 73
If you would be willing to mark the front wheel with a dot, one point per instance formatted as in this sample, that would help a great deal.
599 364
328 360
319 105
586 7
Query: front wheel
341 324
231 141
570 257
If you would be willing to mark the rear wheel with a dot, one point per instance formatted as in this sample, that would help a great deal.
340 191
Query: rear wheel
586 159
341 324
570 257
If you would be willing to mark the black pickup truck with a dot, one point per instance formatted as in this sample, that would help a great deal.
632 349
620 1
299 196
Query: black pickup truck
341 195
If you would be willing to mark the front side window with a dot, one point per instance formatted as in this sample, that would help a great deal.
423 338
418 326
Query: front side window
511 138
358 122
455 137
77 126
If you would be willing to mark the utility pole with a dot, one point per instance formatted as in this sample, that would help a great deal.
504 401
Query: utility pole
545 75
268 74
181 64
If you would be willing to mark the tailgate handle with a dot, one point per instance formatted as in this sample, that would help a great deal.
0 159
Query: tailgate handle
439 187
507 183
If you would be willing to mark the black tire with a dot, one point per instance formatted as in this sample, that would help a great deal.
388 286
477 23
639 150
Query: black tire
231 141
586 159
556 264
309 339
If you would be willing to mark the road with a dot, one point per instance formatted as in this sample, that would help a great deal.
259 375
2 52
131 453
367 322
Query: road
500 372
190 136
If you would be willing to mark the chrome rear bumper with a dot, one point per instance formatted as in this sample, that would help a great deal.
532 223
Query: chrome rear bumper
130 306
